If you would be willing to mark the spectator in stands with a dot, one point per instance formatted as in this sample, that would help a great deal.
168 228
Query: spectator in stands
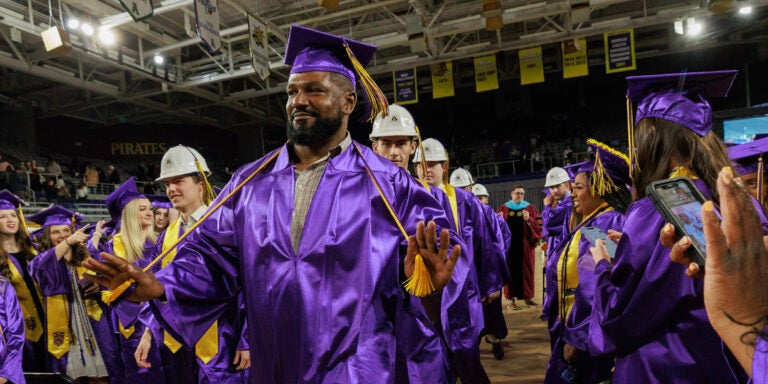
62 190
36 181
91 176
51 192
112 176
567 155
53 168
82 191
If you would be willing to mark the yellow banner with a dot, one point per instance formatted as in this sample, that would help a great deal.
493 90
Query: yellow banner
575 61
620 51
531 66
486 75
442 86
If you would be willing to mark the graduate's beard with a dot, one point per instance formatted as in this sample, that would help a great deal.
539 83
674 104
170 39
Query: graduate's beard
316 134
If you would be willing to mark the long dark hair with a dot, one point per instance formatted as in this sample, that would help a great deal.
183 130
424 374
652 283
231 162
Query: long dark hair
659 141
26 251
79 253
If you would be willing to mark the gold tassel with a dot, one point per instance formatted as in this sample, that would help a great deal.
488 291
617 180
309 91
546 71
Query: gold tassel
375 97
109 297
420 283
631 139
23 226
208 194
423 159
601 182
760 177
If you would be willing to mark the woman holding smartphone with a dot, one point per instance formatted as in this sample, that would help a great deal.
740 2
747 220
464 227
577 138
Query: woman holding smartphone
646 311
599 198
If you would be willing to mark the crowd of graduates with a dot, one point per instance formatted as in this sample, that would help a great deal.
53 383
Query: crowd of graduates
329 261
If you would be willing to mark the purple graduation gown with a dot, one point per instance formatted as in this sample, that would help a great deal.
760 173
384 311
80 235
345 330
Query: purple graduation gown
760 360
323 314
575 329
183 366
554 229
53 278
501 237
651 315
127 313
13 339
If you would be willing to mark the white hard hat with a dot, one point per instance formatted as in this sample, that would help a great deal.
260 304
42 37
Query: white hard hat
461 178
556 176
434 150
479 190
398 122
180 160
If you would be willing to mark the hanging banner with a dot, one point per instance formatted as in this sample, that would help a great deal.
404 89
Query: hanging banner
486 76
575 62
531 66
405 86
442 86
207 24
257 30
138 9
619 51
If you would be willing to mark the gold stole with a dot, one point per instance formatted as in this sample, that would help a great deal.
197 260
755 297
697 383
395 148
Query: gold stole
118 248
450 191
208 346
568 263
33 328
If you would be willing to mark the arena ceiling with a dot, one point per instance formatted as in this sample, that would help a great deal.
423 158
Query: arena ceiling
107 85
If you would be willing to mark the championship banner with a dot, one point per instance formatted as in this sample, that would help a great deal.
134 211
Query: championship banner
405 86
486 75
257 30
619 51
575 62
138 9
531 66
442 86
207 24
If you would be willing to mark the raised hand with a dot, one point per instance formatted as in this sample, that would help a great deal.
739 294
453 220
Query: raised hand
437 260
114 271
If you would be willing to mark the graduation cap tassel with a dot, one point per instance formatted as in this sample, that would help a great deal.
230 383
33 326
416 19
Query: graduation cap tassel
631 139
760 179
108 297
422 160
601 182
377 101
208 194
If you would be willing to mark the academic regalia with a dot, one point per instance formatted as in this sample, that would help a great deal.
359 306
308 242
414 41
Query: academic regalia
522 250
34 358
646 310
124 315
213 362
336 298
12 338
493 314
554 230
54 278
760 361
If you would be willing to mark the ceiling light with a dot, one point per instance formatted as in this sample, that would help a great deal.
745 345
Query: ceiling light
679 27
107 37
159 59
694 27
87 29
746 10
73 23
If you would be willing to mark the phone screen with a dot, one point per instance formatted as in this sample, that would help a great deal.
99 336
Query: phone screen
683 203
594 233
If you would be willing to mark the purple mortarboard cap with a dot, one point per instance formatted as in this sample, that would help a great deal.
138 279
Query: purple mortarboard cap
575 169
160 201
56 215
121 196
9 201
312 50
745 156
680 97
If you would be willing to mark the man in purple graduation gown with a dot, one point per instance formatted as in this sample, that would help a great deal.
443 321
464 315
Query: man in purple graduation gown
555 216
646 311
309 239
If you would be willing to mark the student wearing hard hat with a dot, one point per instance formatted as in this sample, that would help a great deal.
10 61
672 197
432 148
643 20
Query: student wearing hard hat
489 273
495 326
221 355
555 215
